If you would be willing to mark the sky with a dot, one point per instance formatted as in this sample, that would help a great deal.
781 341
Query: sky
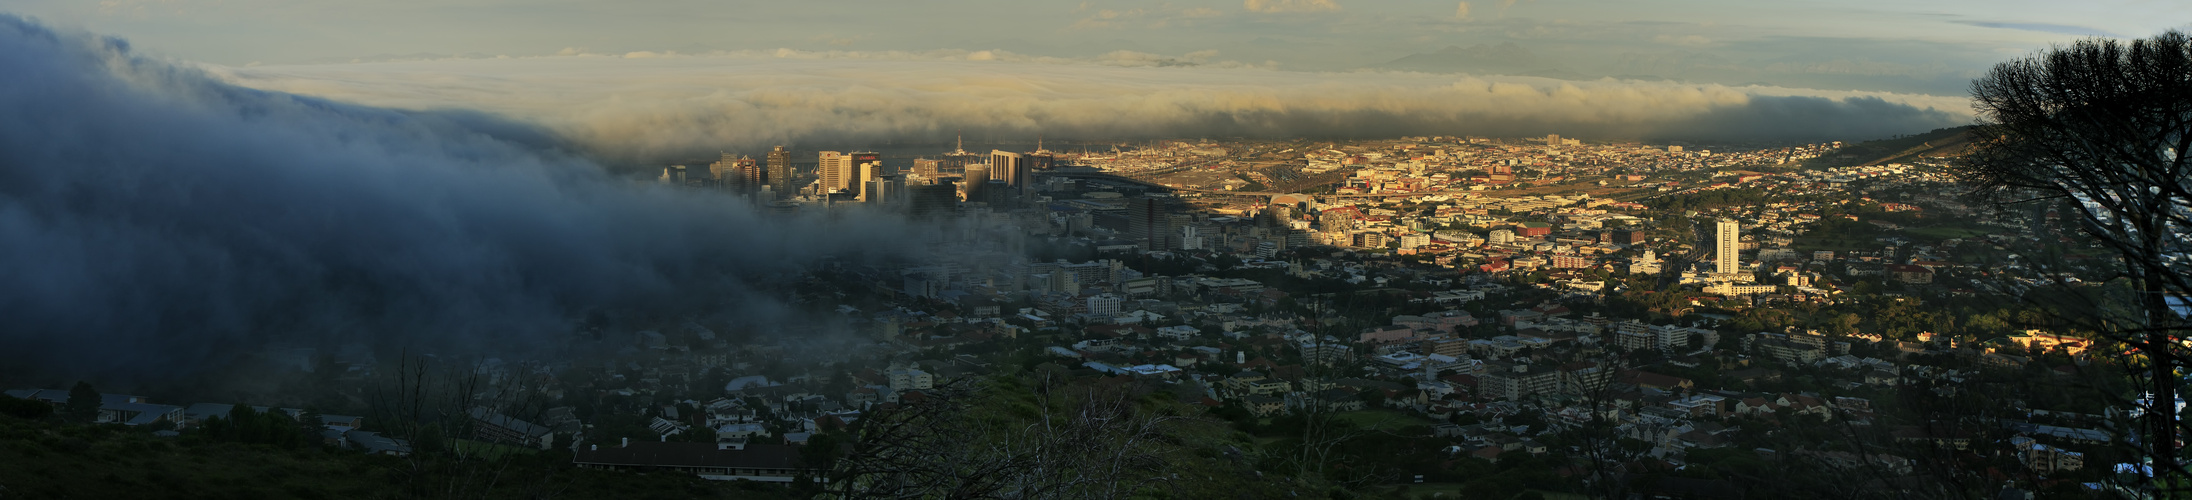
646 81
1674 39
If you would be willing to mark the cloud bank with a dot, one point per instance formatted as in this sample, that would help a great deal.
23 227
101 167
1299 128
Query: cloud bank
154 219
639 108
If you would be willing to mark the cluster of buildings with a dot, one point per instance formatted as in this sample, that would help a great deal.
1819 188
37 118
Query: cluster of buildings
138 411
1232 301
927 188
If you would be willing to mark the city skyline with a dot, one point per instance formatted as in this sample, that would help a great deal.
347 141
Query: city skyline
1503 269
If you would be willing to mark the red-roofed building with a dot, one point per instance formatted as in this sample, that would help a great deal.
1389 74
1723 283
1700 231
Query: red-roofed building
1916 275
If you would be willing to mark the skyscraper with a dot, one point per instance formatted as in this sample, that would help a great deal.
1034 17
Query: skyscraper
885 190
780 171
866 168
1147 223
977 178
750 174
836 171
934 199
996 193
864 183
1009 167
738 175
1728 239
927 168
724 170
865 157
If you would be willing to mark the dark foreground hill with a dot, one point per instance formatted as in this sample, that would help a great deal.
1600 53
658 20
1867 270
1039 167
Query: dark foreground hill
48 459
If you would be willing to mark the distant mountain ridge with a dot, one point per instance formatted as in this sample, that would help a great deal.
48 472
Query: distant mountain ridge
1659 64
1952 141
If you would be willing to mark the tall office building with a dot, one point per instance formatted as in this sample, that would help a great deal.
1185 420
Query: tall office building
737 174
976 180
885 190
1728 239
1277 216
927 168
863 179
865 157
750 174
861 167
1179 227
933 199
780 171
870 172
1009 167
1191 238
674 174
997 194
835 170
1147 223
724 170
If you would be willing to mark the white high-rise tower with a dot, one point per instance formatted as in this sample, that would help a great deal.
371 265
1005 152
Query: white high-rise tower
1729 236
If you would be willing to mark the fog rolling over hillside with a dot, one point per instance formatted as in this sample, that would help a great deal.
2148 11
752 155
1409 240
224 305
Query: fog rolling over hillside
156 215
154 219
642 107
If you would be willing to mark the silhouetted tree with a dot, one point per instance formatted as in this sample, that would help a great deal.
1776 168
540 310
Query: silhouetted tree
2098 130
83 403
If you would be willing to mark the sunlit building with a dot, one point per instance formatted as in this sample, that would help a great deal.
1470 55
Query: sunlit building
1728 238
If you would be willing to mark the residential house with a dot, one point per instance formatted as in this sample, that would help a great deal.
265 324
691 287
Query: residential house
1264 406
910 379
1249 382
494 426
113 408
1515 381
2044 459
373 443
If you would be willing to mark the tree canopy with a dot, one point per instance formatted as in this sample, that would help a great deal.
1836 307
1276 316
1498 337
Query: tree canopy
2097 132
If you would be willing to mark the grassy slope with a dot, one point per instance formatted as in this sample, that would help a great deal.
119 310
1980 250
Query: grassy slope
1382 419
